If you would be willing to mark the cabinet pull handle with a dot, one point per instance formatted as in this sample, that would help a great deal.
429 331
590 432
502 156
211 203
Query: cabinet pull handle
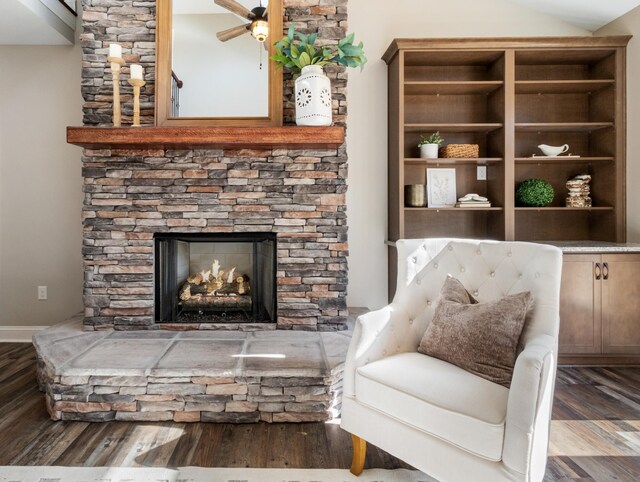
598 271
605 271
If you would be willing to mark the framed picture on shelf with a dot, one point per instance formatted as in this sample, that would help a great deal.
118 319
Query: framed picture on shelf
441 188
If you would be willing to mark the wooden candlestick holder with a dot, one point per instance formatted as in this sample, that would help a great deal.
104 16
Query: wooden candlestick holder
116 66
137 84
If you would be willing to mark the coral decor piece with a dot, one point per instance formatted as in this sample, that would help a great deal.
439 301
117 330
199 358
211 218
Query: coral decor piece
579 192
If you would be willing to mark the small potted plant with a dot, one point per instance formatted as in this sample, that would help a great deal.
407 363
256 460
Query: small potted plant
297 53
429 145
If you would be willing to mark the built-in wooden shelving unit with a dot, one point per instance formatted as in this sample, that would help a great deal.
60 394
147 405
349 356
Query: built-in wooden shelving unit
508 96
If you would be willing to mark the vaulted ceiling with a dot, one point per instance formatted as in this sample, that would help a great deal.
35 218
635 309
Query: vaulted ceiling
588 14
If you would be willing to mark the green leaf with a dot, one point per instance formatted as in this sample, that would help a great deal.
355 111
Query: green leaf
304 59
297 50
347 40
351 50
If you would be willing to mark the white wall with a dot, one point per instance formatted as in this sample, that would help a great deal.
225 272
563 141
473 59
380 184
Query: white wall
221 79
40 184
630 24
377 24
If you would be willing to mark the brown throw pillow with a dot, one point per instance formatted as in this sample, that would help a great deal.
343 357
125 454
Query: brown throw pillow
481 338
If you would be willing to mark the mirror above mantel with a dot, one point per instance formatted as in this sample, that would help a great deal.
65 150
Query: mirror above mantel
211 70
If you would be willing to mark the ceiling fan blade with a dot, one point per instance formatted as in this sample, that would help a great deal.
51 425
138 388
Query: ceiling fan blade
232 32
236 8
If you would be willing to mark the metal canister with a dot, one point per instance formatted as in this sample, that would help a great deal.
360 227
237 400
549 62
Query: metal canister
414 195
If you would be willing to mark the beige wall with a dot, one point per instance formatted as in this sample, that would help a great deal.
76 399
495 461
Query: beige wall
367 134
40 184
630 24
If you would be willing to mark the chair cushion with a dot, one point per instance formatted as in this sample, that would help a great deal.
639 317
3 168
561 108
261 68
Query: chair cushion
437 398
479 337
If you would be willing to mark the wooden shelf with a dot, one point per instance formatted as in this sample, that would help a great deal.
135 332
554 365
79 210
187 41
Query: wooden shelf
560 160
475 160
451 88
561 86
570 56
566 209
487 127
206 137
492 208
562 126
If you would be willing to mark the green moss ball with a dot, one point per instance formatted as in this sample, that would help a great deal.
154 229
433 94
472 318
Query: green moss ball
534 193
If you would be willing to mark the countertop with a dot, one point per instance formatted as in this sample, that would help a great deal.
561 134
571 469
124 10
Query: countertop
595 247
577 247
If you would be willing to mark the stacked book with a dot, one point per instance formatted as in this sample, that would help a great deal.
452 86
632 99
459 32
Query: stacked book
473 200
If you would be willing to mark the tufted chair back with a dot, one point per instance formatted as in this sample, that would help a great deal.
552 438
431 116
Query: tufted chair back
488 269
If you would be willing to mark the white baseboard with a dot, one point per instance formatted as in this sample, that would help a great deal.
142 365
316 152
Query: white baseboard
19 334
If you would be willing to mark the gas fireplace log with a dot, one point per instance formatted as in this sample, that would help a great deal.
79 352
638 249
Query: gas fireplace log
217 303
240 286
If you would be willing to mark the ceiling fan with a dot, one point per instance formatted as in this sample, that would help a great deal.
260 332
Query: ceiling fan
258 26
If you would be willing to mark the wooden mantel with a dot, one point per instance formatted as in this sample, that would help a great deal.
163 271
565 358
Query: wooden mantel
291 137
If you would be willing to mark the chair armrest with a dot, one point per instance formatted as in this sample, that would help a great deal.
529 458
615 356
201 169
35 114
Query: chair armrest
529 408
372 340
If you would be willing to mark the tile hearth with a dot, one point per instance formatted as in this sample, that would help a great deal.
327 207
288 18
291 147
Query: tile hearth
192 376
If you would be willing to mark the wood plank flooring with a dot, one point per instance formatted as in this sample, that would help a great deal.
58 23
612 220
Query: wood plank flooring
595 433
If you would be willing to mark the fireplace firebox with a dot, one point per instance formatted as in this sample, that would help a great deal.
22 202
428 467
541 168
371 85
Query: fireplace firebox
215 278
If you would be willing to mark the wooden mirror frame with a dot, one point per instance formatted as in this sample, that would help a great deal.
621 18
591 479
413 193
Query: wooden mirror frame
163 75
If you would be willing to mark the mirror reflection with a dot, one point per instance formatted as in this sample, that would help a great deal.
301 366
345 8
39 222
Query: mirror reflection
219 58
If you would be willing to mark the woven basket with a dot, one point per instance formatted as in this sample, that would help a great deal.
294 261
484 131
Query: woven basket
460 151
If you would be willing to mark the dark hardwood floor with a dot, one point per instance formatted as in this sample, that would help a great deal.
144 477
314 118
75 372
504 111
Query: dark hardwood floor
595 432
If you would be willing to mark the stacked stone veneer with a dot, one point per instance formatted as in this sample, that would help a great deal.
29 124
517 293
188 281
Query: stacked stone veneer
132 194
191 399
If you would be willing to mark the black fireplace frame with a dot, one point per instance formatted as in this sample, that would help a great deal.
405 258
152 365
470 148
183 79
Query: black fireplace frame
165 274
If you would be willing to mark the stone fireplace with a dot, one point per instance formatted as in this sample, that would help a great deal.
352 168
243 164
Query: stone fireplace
136 196
206 241
133 199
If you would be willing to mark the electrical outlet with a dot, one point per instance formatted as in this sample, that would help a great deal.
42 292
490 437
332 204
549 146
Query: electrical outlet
482 173
42 293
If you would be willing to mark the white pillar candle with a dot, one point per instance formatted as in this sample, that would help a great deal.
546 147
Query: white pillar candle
136 71
115 50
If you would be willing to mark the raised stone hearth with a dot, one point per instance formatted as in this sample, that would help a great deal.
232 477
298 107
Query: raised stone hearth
195 376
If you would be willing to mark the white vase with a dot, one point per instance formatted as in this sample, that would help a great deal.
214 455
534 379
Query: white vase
313 97
429 151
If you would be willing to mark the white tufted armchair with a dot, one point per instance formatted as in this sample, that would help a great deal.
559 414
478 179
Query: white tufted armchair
449 423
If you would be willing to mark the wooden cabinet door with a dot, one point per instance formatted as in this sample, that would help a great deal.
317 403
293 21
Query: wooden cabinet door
621 304
580 305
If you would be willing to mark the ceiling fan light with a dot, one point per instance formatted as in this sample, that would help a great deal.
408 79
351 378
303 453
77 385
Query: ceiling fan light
260 30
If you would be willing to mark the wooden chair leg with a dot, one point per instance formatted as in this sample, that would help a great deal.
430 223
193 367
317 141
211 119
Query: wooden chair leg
359 453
